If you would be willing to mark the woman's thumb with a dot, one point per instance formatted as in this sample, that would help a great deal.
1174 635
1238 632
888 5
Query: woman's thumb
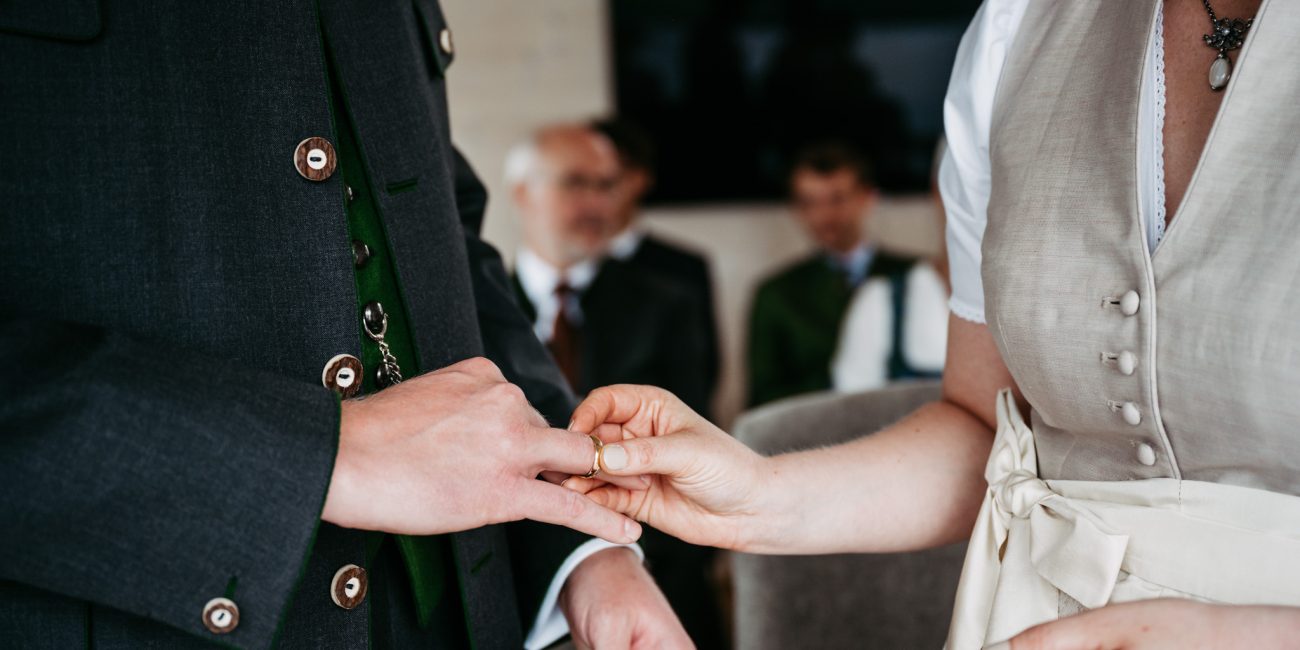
641 456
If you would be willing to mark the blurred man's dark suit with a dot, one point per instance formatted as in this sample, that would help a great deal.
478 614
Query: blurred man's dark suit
638 329
641 329
173 288
688 270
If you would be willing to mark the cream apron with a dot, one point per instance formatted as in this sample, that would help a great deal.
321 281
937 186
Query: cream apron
1071 545
1176 474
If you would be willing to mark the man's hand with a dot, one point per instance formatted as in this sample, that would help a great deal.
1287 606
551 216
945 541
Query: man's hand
457 449
611 602
1166 623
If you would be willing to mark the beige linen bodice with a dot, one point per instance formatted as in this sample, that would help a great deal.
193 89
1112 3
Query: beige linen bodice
1179 363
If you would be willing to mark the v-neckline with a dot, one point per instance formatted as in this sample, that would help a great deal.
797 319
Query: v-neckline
1177 216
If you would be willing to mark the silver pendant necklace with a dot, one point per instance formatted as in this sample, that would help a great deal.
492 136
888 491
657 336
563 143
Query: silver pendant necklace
1226 34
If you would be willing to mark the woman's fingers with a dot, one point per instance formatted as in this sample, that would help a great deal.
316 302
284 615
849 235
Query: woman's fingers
616 404
635 482
582 485
610 432
627 502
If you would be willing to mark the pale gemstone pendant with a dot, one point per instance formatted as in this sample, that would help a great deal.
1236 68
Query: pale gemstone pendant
1220 71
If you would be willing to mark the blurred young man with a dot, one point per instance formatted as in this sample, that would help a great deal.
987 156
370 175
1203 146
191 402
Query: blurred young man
798 313
878 343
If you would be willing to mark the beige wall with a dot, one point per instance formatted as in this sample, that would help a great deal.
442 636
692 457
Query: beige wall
523 64
520 65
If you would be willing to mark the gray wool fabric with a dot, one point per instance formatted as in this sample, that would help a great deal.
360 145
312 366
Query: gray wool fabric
172 290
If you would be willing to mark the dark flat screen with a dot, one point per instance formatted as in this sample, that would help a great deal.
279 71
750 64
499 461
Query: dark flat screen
728 90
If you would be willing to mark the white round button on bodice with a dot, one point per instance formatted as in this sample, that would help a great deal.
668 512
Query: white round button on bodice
1146 455
1131 413
1127 362
1129 302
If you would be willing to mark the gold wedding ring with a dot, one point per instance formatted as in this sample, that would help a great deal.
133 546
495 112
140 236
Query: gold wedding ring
595 464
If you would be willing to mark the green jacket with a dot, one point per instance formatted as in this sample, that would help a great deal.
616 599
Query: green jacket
794 325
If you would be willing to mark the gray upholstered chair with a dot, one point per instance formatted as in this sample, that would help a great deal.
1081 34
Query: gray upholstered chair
841 601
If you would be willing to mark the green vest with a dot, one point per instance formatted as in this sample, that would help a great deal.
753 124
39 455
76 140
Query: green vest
795 326
428 559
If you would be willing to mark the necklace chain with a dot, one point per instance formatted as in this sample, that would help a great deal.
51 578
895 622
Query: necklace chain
1210 10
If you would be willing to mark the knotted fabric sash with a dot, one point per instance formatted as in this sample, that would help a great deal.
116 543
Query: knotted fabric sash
1037 540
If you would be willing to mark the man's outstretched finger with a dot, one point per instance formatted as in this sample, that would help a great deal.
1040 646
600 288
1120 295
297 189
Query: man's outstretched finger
552 504
561 454
557 450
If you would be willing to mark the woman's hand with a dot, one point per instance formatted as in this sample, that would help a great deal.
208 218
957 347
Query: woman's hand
1166 623
914 484
705 487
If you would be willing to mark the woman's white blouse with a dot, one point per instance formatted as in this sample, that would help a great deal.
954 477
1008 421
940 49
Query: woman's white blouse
964 181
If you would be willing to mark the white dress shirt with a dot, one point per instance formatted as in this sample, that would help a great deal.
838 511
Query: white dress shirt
861 360
964 174
539 280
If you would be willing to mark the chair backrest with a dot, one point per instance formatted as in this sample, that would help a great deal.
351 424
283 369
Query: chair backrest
819 419
901 600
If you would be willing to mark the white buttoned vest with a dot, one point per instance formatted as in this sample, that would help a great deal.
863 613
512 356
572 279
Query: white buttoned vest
1213 340
1162 455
